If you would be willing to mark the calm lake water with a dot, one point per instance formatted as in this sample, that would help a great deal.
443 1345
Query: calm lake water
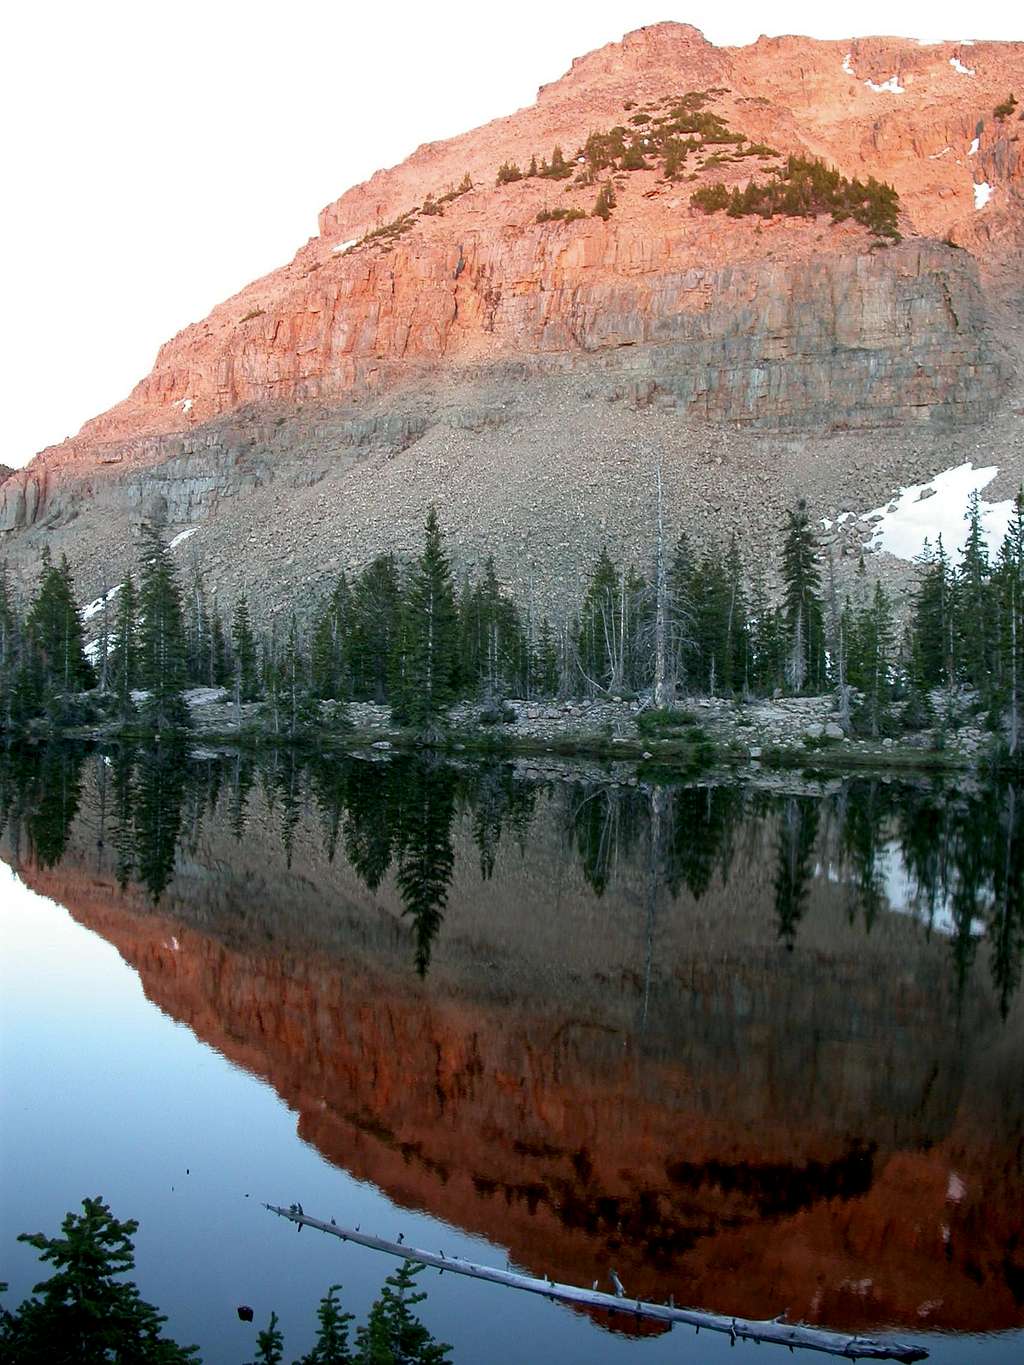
762 1050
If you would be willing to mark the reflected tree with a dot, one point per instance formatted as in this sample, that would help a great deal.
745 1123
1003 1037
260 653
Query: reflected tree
798 830
160 783
427 857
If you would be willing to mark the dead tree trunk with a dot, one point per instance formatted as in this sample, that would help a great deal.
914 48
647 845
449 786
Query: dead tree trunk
773 1330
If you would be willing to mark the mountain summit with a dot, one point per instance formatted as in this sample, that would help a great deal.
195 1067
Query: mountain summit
789 268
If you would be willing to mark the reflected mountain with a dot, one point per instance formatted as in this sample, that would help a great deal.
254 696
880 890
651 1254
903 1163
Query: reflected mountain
760 1050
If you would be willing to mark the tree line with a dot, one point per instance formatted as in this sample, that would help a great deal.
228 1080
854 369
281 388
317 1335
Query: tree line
406 634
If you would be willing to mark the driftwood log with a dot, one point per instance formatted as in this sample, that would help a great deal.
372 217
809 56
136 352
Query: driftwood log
773 1331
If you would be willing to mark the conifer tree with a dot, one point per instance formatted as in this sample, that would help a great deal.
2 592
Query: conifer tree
492 637
804 615
932 631
243 647
124 649
974 606
426 671
1009 580
375 611
331 1346
393 1333
330 648
871 659
544 664
161 637
55 636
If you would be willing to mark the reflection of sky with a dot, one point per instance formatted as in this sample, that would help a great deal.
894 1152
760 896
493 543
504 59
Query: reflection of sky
104 1094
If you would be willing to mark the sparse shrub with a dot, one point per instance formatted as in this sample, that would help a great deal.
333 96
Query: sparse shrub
605 203
508 172
431 208
560 215
559 169
252 313
1004 110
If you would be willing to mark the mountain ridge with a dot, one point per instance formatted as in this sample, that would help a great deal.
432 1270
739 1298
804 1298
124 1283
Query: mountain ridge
409 318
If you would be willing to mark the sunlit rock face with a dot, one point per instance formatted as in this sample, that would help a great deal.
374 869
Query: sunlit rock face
655 1083
334 397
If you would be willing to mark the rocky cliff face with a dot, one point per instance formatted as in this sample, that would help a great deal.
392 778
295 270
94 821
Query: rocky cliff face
433 301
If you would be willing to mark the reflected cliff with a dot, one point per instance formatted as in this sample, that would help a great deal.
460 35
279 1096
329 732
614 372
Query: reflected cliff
756 1049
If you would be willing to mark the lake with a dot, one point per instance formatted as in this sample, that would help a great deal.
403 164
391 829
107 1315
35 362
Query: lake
757 1047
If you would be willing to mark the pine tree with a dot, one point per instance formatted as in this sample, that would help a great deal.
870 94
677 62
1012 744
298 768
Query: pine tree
1009 583
54 634
974 606
804 614
932 629
331 1346
871 659
375 611
426 671
87 1313
544 664
393 1335
270 1344
329 655
492 637
243 646
161 637
124 649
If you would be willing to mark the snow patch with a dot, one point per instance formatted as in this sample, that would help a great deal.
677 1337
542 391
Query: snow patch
891 86
182 536
94 608
973 148
935 155
344 246
92 651
959 67
904 895
185 404
982 194
848 64
924 511
956 1189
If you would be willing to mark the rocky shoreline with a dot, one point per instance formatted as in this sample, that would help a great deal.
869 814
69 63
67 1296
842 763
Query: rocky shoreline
785 732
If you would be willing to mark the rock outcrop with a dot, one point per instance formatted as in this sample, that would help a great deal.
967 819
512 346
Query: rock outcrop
435 301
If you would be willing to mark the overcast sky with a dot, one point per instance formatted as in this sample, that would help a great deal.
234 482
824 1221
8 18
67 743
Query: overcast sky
158 157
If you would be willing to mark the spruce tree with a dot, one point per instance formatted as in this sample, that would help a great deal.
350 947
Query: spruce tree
393 1333
804 614
544 664
124 649
161 637
243 647
55 636
871 660
375 610
87 1313
428 655
974 606
932 629
1009 582
330 648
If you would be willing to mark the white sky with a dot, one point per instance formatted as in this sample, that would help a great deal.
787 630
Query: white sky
158 157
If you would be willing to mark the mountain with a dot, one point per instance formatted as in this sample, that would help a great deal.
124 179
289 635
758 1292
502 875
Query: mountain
499 348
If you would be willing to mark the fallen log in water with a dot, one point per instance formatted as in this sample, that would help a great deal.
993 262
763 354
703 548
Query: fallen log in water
773 1331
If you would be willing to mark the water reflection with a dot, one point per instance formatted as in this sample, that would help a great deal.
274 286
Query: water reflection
755 1048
